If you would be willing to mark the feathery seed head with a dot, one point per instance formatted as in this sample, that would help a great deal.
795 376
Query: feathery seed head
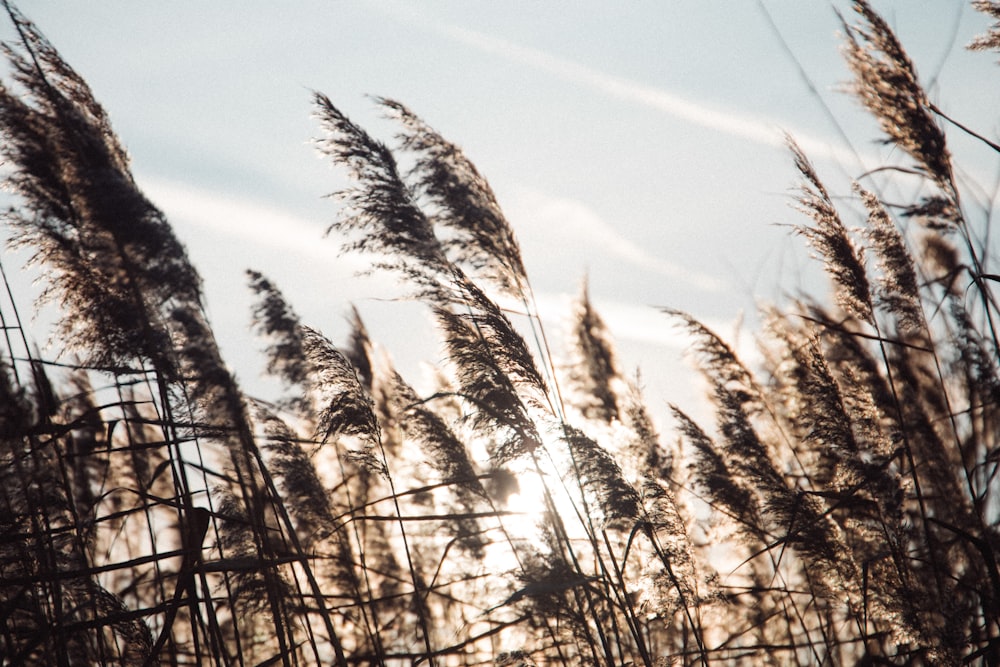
887 84
829 238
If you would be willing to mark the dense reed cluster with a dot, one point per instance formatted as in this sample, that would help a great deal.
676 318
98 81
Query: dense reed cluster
525 510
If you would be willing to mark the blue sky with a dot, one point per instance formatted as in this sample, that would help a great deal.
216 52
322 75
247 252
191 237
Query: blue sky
637 143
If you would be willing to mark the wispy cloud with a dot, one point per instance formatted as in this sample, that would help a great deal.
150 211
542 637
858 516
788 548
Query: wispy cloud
545 221
762 131
647 324
627 321
241 218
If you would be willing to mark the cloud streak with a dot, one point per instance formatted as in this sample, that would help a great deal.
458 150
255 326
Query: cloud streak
646 324
761 131
546 222
263 225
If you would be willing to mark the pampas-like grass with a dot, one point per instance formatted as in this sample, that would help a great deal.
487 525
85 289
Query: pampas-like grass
115 266
829 237
593 367
379 212
526 510
886 83
463 203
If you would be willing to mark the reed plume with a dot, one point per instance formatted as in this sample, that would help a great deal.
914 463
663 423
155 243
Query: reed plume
886 83
380 209
463 203
524 510
593 369
116 268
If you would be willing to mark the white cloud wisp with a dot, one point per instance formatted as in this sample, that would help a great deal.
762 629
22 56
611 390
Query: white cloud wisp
751 128
547 221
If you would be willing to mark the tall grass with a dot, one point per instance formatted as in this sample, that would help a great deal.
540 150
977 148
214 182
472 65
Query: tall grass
843 509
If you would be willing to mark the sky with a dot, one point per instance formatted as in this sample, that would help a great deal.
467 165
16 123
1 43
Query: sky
638 144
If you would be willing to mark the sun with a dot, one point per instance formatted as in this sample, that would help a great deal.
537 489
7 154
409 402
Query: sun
534 489
528 496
